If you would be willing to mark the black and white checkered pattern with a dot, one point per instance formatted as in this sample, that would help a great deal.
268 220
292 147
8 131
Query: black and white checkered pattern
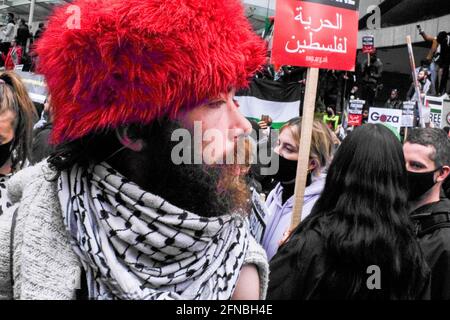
5 203
135 245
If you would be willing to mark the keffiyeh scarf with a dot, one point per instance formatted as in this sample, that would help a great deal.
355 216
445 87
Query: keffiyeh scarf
135 245
5 203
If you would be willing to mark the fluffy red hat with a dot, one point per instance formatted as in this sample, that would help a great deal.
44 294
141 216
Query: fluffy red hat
115 62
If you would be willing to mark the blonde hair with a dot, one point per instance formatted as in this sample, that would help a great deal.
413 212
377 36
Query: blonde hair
321 140
14 97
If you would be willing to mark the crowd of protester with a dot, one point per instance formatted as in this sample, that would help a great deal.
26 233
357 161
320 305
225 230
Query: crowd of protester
336 88
93 206
16 44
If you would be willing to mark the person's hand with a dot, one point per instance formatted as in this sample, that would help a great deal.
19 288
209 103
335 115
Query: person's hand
263 125
285 238
338 128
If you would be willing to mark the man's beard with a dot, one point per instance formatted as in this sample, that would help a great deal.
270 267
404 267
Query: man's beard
206 190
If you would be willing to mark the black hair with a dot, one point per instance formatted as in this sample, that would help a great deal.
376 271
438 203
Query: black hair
435 138
363 219
447 130
95 147
11 17
424 69
442 36
90 148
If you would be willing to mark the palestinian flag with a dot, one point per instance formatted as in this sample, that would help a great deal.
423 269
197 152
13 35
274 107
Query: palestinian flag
278 100
435 105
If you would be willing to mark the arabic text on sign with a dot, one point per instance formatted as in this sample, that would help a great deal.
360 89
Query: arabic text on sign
339 45
327 24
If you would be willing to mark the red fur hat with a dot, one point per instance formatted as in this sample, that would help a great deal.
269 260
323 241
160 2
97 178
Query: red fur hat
113 62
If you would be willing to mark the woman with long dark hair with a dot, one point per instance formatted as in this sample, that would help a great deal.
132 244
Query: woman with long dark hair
358 242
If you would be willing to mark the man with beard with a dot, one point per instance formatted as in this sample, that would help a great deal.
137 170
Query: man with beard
427 156
424 85
114 212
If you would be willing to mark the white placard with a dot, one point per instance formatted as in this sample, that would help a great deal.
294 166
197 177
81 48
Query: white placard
391 118
408 114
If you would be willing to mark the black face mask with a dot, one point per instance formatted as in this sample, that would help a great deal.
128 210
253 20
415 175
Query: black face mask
287 169
5 152
420 183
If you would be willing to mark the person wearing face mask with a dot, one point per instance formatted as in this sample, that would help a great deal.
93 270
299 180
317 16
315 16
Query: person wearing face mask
280 201
17 114
360 220
427 156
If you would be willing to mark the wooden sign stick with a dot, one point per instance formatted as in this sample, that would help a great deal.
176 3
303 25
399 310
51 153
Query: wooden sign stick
305 144
412 62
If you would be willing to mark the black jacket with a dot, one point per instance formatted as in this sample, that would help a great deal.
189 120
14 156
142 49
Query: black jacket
299 272
38 34
444 56
297 268
446 187
393 104
433 231
40 146
23 34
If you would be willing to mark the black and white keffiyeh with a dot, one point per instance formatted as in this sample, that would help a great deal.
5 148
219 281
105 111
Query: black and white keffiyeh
5 203
135 245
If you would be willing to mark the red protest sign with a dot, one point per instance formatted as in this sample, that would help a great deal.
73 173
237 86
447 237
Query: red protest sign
355 111
368 44
354 120
316 33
